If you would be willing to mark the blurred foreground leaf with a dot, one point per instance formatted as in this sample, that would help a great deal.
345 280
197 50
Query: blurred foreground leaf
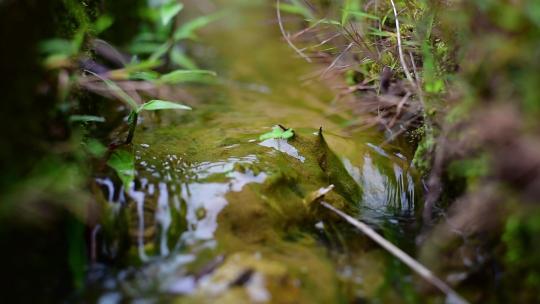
179 76
187 30
124 164
169 10
155 104
86 118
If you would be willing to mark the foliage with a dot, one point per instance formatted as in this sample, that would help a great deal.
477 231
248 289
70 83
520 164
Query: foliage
169 10
278 132
521 239
161 37
180 76
152 105
123 163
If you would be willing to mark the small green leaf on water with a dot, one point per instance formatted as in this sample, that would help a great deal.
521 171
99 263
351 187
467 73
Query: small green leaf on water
278 133
155 104
169 10
180 76
124 164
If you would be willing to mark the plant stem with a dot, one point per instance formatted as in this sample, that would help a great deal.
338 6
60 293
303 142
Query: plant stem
132 121
400 49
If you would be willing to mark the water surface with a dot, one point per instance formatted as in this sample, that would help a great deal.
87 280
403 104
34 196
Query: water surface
216 215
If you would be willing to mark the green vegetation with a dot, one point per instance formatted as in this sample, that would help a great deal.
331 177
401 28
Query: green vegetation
278 132
430 111
152 105
46 186
459 80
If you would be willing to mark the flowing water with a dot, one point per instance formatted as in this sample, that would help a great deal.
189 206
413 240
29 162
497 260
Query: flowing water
217 215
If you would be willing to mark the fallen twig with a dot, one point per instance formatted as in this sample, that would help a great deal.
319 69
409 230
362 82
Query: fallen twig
453 297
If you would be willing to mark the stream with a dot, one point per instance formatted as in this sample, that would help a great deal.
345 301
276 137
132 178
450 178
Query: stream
217 215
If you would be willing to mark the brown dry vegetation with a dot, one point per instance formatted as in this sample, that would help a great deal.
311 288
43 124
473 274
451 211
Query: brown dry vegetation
474 103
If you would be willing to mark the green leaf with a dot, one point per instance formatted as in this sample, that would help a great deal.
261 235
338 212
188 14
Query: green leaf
349 6
144 47
180 76
293 9
145 65
160 51
324 21
298 8
154 105
123 96
144 75
278 133
363 15
181 59
57 47
169 10
95 148
187 30
86 118
123 163
102 23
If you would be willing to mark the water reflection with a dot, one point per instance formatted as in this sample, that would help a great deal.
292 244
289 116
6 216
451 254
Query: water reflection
388 186
210 197
282 145
176 203
185 191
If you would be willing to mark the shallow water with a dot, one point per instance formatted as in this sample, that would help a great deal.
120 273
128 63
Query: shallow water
216 215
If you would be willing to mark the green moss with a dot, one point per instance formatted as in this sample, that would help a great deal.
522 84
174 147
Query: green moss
472 169
522 266
423 154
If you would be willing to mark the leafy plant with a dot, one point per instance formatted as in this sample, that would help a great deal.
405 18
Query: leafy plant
163 36
152 105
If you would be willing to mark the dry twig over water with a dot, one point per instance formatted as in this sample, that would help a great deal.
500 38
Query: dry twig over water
453 297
